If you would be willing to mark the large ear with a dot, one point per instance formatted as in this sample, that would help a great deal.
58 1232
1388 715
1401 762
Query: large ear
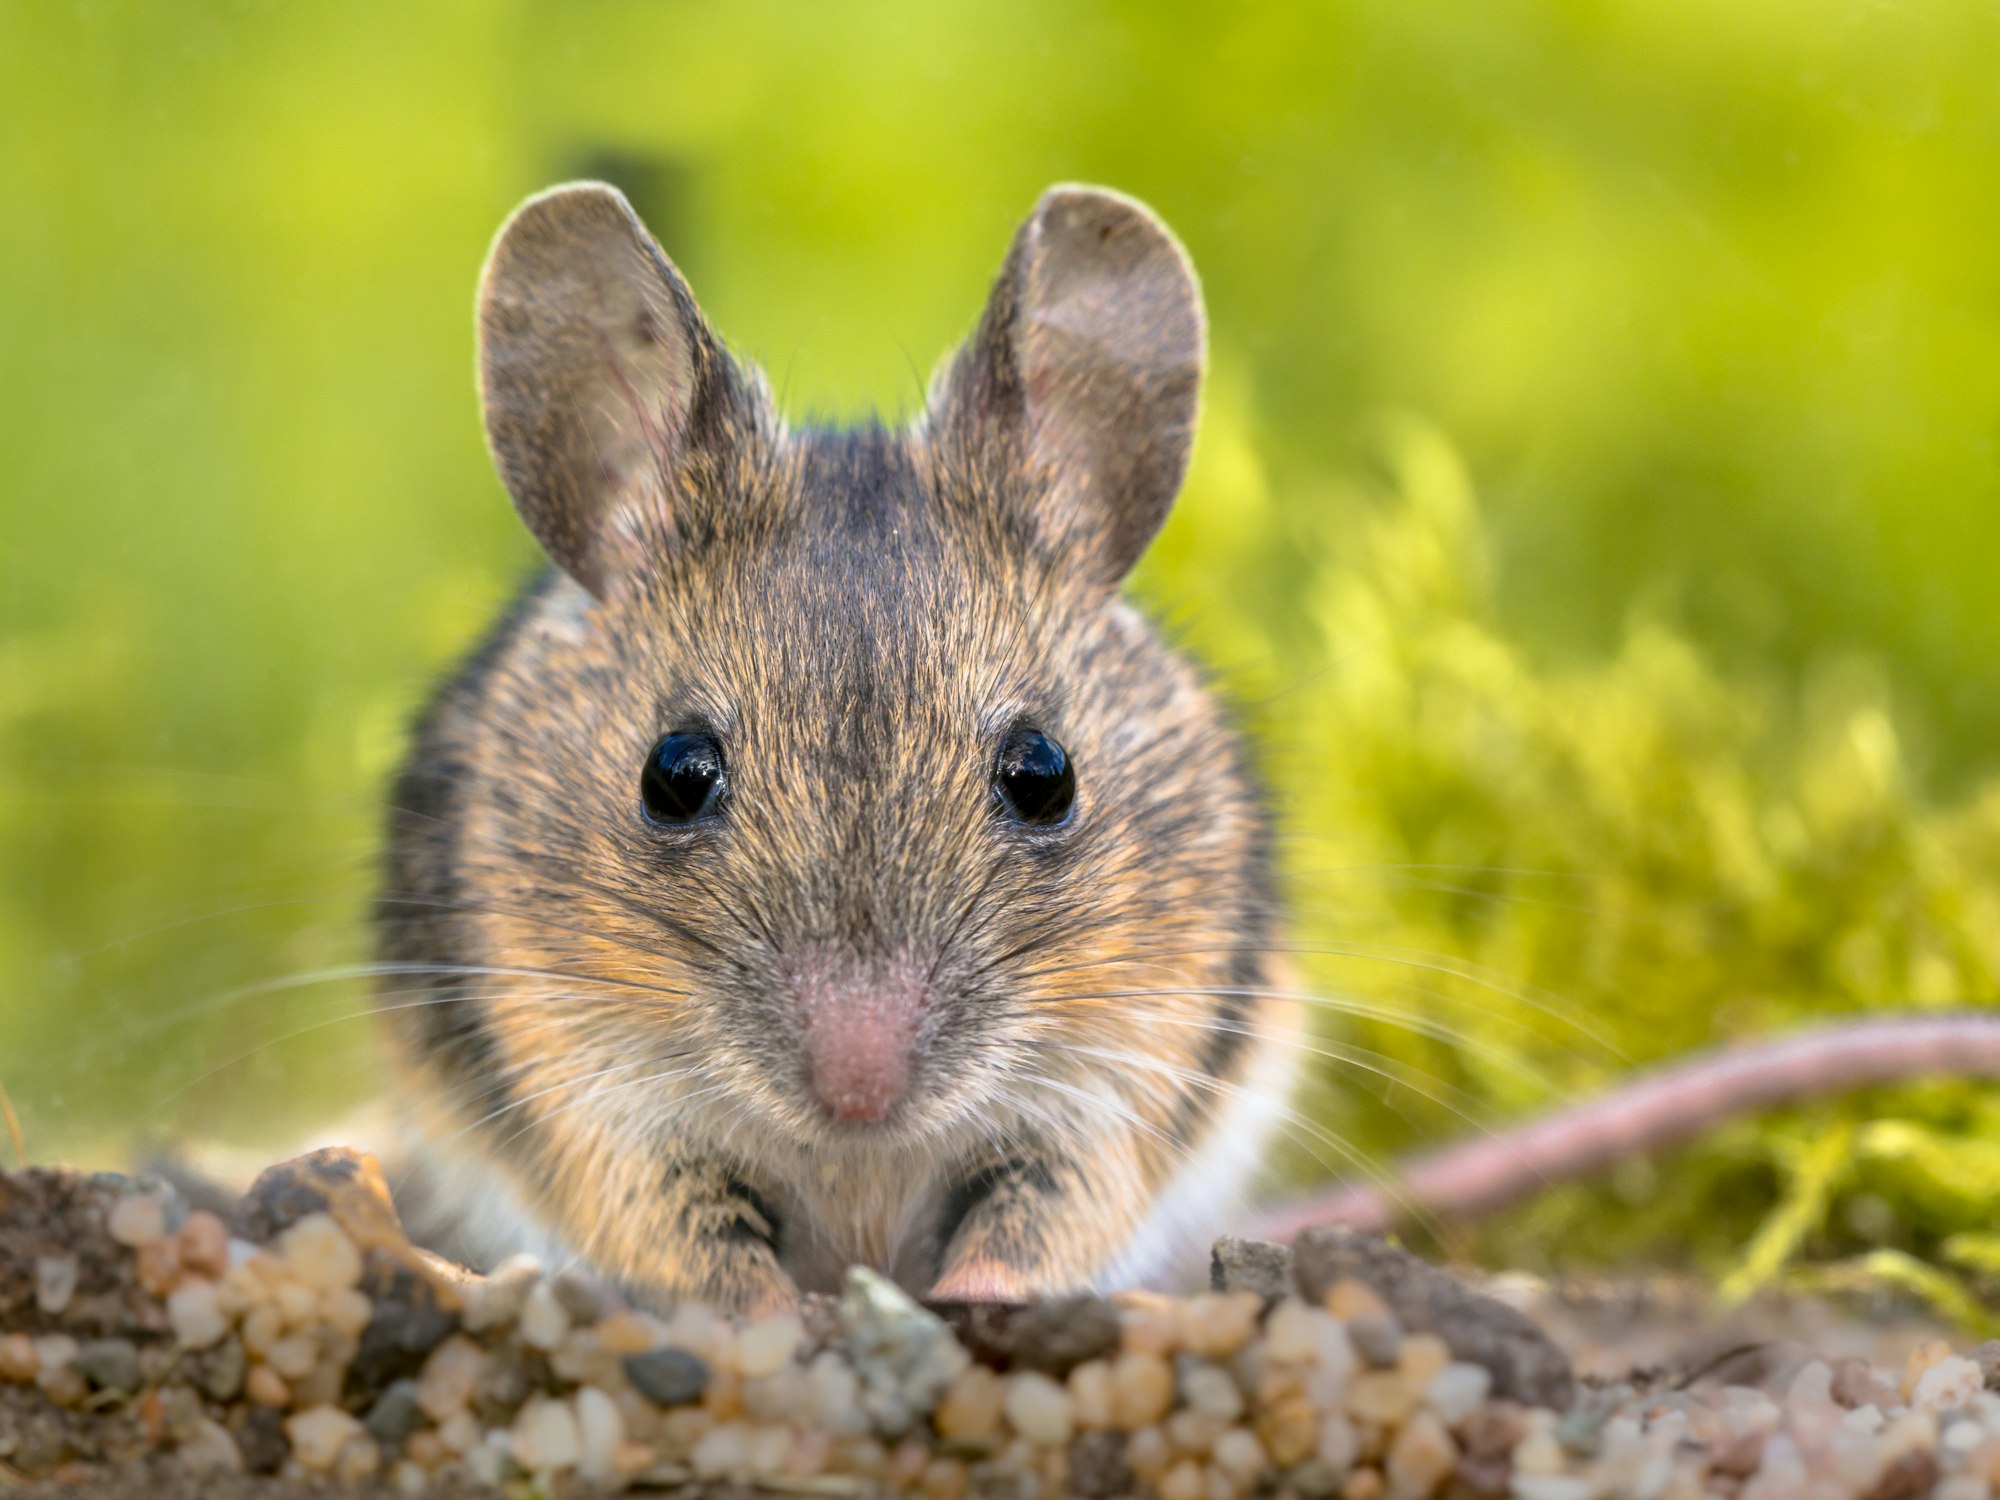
596 374
1087 365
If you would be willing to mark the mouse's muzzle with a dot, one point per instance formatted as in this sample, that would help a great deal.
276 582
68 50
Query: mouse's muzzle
859 1019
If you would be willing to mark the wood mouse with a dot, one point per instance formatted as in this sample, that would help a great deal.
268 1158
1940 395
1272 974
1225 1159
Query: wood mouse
821 862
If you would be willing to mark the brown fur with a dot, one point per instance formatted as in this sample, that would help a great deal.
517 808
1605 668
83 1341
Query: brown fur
601 1014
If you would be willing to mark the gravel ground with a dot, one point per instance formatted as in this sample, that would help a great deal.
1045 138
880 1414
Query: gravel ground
147 1349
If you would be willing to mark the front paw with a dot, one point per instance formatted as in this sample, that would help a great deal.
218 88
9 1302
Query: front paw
979 1279
744 1285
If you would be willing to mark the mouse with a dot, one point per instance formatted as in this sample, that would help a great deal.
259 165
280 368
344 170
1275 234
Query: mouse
822 861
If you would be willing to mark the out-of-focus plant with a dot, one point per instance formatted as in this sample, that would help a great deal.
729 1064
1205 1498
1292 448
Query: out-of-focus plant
1548 876
1703 295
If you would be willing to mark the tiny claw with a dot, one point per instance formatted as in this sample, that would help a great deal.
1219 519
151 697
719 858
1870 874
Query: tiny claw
980 1281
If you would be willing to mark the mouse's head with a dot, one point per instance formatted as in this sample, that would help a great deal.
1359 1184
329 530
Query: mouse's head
830 794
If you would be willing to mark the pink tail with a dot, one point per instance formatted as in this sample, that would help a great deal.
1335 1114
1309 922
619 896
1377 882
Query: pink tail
1477 1177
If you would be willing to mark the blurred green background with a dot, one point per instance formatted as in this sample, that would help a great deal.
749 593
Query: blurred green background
1595 511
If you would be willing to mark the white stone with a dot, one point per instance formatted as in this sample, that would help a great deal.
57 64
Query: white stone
1210 1390
1863 1419
835 1393
55 1283
496 1300
770 1450
1947 1385
1038 1408
600 1429
53 1352
460 1433
1290 1335
1339 1444
1812 1386
1457 1391
320 1255
723 1452
545 1436
137 1219
1552 1487
209 1449
448 1378
196 1315
767 1346
487 1462
317 1435
543 1323
1239 1455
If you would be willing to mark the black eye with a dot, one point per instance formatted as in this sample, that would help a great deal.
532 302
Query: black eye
683 778
1033 778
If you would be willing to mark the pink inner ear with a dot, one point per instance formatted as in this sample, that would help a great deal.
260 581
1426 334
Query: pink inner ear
860 1025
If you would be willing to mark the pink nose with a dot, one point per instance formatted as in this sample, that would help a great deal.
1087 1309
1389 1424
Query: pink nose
860 1025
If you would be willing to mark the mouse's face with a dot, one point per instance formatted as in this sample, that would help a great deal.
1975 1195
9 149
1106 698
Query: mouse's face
830 796
887 823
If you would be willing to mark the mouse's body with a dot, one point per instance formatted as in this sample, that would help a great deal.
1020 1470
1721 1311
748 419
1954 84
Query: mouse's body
822 864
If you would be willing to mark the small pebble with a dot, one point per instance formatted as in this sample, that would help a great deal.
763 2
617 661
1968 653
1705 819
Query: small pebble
668 1376
626 1332
496 1300
1290 1431
1291 1332
1421 1456
208 1448
1422 1356
319 1254
1339 1444
294 1356
297 1303
266 1387
1090 1394
110 1365
582 1295
137 1219
545 1438
204 1244
1382 1398
1947 1385
1349 1300
395 1413
450 1375
767 1346
1211 1390
223 1371
1457 1391
1039 1409
55 1283
1552 1487
1238 1454
459 1432
348 1311
17 1359
195 1314
1217 1324
723 1452
600 1432
543 1321
1183 1482
971 1410
157 1266
318 1435
1377 1339
1142 1390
